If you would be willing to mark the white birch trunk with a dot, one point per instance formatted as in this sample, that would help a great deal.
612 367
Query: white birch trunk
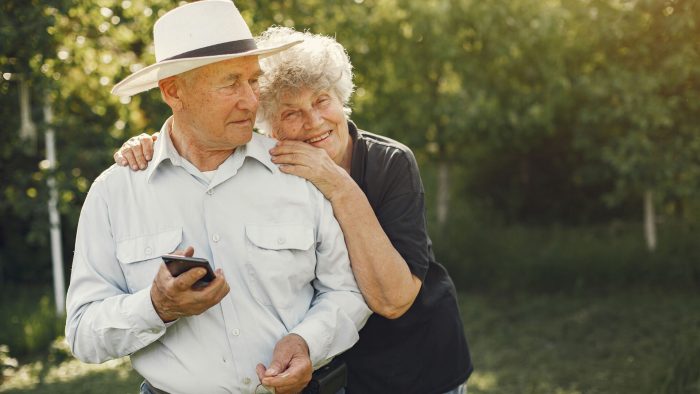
649 221
27 130
59 290
443 193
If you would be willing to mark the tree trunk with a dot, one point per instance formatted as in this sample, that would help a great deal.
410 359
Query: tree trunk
59 286
27 131
443 193
649 221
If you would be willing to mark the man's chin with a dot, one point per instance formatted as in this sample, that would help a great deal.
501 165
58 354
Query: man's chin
242 136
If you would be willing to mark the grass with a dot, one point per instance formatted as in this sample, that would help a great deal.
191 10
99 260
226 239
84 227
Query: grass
71 376
623 342
619 343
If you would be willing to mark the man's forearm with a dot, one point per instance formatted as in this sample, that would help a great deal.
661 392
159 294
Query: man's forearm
114 327
332 324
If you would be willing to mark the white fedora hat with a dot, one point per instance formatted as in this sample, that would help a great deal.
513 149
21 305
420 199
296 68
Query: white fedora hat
191 36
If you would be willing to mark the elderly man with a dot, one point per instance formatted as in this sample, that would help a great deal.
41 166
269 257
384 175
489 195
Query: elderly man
283 293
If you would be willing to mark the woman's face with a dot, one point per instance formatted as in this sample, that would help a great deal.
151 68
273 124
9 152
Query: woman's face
315 117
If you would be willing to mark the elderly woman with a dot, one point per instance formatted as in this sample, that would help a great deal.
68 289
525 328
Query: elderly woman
414 343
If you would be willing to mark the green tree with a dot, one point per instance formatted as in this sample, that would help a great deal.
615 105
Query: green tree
641 116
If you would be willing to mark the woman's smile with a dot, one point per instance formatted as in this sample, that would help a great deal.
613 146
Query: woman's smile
319 138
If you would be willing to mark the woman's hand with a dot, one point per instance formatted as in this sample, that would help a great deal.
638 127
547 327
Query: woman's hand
382 274
311 163
136 151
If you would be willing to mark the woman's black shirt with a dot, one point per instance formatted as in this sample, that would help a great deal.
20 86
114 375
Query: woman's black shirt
425 350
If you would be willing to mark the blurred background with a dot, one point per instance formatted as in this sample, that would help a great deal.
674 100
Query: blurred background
559 143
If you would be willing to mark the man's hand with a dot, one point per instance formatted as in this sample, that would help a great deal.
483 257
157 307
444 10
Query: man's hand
136 152
173 298
290 369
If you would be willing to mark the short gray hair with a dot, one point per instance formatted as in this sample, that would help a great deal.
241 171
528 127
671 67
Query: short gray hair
317 63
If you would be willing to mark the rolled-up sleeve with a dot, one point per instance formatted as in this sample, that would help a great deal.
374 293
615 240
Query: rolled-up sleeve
103 320
338 310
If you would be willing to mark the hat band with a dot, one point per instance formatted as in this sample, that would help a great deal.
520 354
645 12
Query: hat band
225 48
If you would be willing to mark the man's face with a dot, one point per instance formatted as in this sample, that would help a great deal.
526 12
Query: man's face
316 118
219 102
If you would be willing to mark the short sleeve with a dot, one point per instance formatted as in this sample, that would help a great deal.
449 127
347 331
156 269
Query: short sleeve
401 212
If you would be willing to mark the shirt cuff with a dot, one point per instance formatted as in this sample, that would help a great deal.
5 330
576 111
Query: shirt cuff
319 338
316 338
142 316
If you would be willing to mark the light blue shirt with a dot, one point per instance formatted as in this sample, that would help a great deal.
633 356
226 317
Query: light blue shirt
275 237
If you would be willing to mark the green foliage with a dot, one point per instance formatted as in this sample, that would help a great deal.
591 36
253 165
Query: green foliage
488 257
548 113
7 363
29 323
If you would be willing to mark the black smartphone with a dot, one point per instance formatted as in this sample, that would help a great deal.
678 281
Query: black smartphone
179 264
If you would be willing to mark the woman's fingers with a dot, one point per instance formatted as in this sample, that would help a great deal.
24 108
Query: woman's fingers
298 170
127 153
146 145
291 158
288 146
137 150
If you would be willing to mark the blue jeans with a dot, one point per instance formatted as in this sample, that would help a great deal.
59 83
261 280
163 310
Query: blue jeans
144 389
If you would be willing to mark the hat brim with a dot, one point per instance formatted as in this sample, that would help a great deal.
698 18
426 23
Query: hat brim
148 77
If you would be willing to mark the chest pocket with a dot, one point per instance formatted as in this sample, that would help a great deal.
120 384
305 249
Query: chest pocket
281 262
140 256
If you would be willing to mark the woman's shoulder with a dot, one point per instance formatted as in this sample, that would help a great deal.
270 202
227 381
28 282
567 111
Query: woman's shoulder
388 163
380 142
384 150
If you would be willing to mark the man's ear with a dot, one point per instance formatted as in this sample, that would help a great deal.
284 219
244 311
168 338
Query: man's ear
171 91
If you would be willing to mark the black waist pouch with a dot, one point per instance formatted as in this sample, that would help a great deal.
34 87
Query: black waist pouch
328 379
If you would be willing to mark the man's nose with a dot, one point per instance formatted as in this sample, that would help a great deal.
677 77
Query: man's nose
249 98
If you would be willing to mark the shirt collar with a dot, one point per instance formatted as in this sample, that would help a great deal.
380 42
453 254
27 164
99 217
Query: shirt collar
257 149
165 150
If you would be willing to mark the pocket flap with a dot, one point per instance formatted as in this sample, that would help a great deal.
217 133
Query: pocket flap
148 246
280 236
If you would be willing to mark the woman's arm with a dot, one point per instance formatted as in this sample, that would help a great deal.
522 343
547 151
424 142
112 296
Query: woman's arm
383 276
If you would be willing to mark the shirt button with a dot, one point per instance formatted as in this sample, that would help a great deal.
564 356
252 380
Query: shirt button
148 251
215 238
246 380
281 240
235 332
210 192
